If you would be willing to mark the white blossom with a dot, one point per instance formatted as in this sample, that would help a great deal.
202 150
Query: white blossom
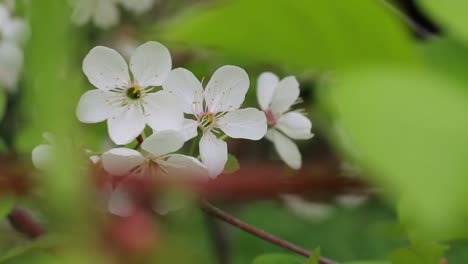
43 155
216 108
276 98
157 161
105 13
13 34
127 103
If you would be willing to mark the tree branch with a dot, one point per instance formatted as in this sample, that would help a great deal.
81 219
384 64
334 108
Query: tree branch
220 214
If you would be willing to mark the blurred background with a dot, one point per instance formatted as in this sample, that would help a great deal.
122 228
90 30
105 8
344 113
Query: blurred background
384 179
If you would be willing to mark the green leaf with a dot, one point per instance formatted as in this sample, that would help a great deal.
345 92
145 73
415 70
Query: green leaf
314 259
7 202
451 14
33 257
277 258
408 127
3 102
232 164
301 33
430 253
29 249
448 56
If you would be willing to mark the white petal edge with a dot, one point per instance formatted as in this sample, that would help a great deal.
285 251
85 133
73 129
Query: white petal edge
185 166
151 64
189 129
187 88
163 142
213 153
93 106
286 149
125 126
162 111
295 125
227 89
266 85
286 93
106 69
248 123
120 161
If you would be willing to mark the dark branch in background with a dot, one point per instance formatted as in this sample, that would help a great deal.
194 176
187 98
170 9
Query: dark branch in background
218 213
22 222
413 16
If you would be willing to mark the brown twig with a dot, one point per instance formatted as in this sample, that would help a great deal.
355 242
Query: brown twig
23 223
220 214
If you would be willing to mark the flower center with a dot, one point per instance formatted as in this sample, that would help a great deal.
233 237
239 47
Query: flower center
134 92
208 120
271 118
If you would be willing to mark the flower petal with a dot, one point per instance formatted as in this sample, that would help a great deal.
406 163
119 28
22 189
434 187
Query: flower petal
120 161
162 111
164 142
106 14
16 30
226 89
137 6
189 129
248 123
126 125
287 150
185 166
11 62
82 11
187 88
42 156
266 86
286 93
151 64
213 152
295 125
93 106
120 203
106 69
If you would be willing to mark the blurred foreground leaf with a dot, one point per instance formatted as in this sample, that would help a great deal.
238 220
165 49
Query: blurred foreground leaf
314 259
320 33
408 127
421 254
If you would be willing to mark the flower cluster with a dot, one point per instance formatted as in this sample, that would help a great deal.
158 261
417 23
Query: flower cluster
177 108
13 34
105 13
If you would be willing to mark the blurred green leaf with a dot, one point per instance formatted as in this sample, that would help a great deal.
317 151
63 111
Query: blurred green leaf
29 250
34 257
232 164
451 14
420 254
448 56
369 262
408 127
7 202
321 33
277 258
3 102
314 259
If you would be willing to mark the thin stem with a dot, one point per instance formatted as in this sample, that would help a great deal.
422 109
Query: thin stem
140 140
195 142
220 214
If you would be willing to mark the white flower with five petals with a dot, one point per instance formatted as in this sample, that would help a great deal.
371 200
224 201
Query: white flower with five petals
216 107
276 98
129 104
157 162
